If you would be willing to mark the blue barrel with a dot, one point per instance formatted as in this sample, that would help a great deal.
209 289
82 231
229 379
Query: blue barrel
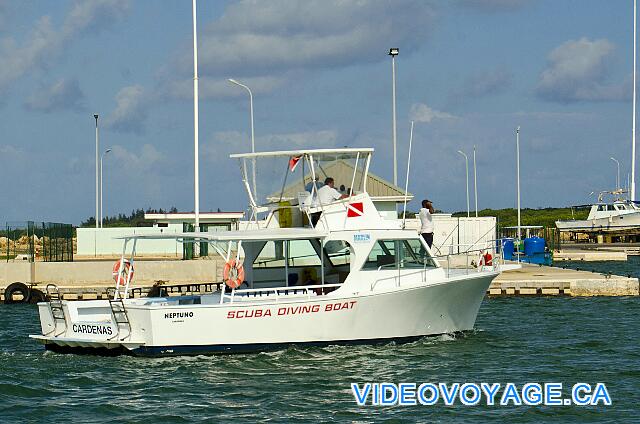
533 245
507 248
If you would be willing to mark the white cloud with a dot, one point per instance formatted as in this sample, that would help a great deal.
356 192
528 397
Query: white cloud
130 112
422 113
263 39
63 94
7 150
487 83
45 42
137 162
490 6
236 142
578 70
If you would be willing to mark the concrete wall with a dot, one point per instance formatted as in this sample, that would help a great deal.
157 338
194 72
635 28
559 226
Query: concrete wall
104 241
99 272
454 235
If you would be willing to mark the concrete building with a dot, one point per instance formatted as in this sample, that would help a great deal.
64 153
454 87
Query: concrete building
106 242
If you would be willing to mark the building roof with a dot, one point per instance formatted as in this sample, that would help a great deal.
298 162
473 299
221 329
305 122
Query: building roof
342 172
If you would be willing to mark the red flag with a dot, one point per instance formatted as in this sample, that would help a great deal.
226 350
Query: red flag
293 162
355 210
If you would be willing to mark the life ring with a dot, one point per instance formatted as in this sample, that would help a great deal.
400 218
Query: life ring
120 277
233 273
21 288
486 259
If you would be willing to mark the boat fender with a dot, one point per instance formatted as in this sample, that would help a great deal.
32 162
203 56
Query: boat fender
233 273
120 277
17 287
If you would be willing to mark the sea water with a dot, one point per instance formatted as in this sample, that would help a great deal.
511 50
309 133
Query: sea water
517 340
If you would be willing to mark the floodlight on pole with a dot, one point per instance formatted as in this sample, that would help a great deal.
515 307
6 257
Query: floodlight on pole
518 178
101 184
196 168
97 170
466 168
253 142
393 52
475 180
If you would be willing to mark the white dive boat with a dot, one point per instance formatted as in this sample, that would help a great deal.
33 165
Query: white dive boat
619 216
354 278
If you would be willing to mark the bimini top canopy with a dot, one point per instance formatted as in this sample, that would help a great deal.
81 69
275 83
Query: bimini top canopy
326 154
245 235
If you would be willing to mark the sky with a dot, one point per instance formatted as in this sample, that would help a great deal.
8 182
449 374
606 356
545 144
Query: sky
468 73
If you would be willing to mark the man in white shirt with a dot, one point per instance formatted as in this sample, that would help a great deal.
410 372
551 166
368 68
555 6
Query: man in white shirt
326 194
426 221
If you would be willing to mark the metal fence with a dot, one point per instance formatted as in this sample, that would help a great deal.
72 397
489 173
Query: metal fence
37 241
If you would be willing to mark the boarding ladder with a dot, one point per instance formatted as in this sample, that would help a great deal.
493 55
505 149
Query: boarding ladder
120 316
56 308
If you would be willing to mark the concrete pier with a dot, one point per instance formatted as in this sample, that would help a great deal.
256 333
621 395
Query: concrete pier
543 280
92 280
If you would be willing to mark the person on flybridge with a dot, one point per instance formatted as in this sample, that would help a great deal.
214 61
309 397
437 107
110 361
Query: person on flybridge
426 221
326 194
310 184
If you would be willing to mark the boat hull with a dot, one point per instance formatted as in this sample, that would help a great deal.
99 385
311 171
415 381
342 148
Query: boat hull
399 315
627 222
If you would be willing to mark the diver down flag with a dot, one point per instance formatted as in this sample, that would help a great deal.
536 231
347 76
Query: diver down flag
355 210
293 162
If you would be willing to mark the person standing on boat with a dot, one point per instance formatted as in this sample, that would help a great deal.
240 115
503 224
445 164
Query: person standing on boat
326 194
426 221
310 184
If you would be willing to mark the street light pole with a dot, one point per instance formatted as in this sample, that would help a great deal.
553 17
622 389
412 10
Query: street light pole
253 141
618 174
196 168
475 179
466 168
97 169
393 52
101 184
518 178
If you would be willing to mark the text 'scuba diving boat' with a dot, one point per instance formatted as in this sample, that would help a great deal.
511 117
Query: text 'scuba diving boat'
353 278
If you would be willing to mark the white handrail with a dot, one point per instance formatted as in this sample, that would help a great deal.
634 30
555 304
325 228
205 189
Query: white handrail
276 291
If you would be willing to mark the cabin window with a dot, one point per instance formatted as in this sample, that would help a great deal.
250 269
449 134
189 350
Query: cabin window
389 254
300 254
602 208
338 252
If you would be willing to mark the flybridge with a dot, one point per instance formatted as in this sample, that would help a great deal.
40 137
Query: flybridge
286 194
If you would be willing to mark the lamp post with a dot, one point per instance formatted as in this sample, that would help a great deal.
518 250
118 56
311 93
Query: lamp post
253 141
101 185
466 168
196 167
475 180
393 52
518 178
618 174
97 170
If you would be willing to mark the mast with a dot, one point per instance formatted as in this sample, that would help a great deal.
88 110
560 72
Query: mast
633 125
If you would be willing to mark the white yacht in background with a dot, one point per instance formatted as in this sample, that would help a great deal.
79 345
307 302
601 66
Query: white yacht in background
618 215
353 278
